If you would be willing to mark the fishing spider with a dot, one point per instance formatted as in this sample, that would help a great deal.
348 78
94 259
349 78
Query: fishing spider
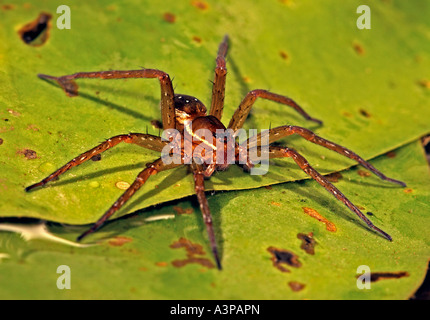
187 114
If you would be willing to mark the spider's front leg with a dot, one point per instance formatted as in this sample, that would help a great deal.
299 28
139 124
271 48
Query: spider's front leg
199 186
144 140
69 85
152 168
218 89
280 152
245 106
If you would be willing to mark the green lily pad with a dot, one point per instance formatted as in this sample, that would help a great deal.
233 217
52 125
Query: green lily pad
163 253
368 86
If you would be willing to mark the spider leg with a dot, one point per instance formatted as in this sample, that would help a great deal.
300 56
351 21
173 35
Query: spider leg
69 85
245 106
141 178
144 140
279 152
218 89
283 131
199 187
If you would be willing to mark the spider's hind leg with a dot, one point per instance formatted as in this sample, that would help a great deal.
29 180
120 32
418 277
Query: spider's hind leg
281 152
284 131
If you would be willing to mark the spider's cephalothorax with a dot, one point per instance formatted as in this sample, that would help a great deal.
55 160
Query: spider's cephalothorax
187 108
206 134
188 116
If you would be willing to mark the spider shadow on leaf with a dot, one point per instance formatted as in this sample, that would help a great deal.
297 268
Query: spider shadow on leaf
109 104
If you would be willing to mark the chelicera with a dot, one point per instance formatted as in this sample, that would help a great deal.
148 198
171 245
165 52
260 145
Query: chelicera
187 114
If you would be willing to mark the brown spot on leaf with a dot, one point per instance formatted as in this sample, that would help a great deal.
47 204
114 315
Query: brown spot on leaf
408 190
36 32
193 250
283 55
32 127
112 7
391 154
161 264
119 241
358 49
202 261
28 153
296 286
6 129
364 113
282 258
6 7
363 173
1 141
275 203
246 79
424 83
197 39
308 242
169 17
180 210
3 184
334 177
315 214
268 187
200 4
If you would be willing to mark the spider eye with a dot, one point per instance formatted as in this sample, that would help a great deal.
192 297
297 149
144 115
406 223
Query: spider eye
188 107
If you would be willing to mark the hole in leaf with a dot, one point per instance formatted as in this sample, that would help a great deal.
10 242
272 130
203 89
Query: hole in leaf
282 258
376 276
36 32
308 242
364 113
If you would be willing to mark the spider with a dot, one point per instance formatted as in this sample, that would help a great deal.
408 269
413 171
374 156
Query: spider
187 114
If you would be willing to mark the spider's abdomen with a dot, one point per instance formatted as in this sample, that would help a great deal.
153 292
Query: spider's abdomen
212 140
